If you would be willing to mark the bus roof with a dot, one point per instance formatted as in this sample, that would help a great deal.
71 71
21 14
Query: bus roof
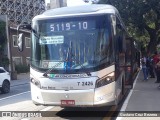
79 10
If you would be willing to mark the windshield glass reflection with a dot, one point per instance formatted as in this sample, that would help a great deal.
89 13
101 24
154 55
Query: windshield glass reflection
71 45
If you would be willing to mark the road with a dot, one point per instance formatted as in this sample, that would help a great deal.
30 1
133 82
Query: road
19 100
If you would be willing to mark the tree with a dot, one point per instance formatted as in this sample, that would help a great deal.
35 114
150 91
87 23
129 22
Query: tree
3 39
142 18
4 61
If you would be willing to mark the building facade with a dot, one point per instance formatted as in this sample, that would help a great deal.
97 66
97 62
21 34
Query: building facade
20 57
57 4
19 12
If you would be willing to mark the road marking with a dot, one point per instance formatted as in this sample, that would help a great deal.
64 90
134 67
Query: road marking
14 95
128 97
47 108
25 118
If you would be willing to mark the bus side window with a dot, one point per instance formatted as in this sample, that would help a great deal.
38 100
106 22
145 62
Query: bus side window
119 46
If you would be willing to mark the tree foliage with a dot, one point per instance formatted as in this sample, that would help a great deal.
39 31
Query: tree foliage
4 61
3 39
142 18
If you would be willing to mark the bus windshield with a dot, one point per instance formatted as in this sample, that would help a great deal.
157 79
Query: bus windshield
72 44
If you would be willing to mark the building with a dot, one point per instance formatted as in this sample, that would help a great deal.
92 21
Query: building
48 6
57 3
19 12
19 57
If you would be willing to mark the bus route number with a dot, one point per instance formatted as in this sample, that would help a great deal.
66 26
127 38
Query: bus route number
87 83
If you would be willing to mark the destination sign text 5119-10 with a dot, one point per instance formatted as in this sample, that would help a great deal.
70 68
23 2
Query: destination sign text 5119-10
71 25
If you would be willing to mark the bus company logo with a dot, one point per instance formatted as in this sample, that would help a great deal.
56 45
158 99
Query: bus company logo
69 76
52 75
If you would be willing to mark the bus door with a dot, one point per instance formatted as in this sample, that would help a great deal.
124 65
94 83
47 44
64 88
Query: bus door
129 64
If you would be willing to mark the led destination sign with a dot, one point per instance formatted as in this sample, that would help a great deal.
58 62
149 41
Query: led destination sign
69 26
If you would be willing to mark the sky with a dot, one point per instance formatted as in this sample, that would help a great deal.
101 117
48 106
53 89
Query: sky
72 2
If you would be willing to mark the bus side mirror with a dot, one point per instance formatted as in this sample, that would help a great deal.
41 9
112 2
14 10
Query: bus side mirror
20 42
20 35
24 26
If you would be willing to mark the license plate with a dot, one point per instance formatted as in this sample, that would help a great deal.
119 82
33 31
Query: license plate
67 102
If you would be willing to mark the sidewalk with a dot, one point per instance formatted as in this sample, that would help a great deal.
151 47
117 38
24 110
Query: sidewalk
22 78
143 98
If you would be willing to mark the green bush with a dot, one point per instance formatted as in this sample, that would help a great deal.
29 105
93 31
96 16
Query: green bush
22 68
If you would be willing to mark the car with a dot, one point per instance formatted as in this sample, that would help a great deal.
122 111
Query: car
4 80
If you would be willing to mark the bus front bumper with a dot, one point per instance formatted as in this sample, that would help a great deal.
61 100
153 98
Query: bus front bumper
88 98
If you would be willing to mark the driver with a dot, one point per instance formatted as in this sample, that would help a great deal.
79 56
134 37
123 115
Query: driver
63 51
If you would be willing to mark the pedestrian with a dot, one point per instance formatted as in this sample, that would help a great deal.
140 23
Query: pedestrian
150 66
144 68
158 71
156 59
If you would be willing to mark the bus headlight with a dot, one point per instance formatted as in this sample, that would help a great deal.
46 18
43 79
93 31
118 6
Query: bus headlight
105 80
36 82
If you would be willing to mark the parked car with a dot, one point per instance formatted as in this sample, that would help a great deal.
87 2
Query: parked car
4 80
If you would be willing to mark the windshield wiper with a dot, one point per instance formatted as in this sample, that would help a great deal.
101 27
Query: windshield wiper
67 60
88 73
49 71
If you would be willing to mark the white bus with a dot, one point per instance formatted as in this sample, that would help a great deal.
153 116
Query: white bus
77 56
